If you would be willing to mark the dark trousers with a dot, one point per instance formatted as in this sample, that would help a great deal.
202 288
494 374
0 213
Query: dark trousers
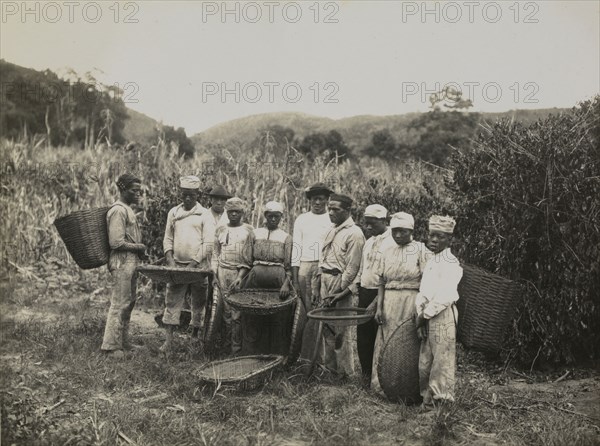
366 333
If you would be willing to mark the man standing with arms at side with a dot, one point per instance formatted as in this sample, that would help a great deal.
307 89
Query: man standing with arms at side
214 217
310 229
339 265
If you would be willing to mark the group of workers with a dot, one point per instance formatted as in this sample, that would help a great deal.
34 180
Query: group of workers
327 261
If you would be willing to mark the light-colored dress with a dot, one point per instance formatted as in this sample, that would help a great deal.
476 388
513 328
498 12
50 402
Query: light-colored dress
400 270
271 266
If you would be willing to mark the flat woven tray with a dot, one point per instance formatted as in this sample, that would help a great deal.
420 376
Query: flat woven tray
486 305
258 301
341 317
172 274
398 365
85 235
236 370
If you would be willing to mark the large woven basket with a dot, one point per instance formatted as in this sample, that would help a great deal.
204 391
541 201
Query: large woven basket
258 301
398 365
172 274
236 370
341 317
297 331
486 306
85 234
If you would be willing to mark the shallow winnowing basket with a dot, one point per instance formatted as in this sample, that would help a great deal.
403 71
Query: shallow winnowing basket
85 234
398 365
237 370
172 274
258 301
341 317
486 306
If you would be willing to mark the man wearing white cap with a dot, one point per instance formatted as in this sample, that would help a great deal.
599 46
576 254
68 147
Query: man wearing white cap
399 276
182 240
437 315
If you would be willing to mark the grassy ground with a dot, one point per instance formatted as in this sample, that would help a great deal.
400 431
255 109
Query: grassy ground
57 388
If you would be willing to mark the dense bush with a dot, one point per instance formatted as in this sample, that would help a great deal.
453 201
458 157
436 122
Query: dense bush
529 206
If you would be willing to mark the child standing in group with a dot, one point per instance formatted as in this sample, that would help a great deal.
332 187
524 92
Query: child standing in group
437 315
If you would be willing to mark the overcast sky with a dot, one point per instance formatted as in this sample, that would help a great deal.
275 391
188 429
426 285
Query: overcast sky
196 64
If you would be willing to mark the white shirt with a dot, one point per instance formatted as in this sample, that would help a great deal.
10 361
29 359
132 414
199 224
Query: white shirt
372 252
183 234
309 237
439 284
209 222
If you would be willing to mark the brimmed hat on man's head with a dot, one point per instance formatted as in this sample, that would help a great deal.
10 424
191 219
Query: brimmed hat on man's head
189 182
218 191
317 189
376 211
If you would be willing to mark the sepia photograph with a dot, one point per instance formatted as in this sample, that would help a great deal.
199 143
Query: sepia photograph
312 222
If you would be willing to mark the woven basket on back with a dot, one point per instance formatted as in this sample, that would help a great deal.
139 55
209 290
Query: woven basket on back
398 365
172 274
486 306
258 301
236 370
297 331
85 234
341 317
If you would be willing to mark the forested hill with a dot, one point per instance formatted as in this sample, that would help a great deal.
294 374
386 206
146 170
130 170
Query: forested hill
356 131
79 111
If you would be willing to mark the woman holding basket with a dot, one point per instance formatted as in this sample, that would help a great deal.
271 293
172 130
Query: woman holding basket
126 251
399 271
268 267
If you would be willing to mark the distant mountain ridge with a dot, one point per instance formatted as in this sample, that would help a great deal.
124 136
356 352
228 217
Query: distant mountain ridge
356 130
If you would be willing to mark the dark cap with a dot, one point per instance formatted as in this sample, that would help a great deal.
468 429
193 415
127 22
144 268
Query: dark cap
316 189
218 191
344 199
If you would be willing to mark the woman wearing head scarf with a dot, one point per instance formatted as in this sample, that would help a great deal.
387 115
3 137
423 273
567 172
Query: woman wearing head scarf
399 272
126 250
269 267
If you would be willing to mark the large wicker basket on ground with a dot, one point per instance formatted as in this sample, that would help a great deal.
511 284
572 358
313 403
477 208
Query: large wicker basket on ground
398 365
258 301
486 306
85 234
297 331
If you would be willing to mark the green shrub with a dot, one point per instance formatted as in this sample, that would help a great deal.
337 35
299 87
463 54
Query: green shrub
529 207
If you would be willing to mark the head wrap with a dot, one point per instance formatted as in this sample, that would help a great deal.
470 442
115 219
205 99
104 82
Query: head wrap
189 182
402 220
344 199
316 189
273 206
442 224
127 180
235 204
376 211
218 191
